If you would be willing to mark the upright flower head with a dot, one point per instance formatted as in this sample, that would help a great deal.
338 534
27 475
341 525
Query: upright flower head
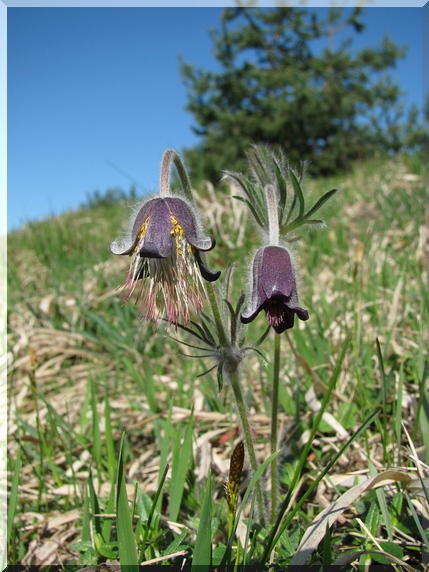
164 241
273 289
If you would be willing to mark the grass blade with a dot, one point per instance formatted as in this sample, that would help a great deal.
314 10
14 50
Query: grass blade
384 391
13 496
202 552
313 486
107 524
96 436
179 467
126 540
417 521
145 382
157 500
110 444
86 524
94 504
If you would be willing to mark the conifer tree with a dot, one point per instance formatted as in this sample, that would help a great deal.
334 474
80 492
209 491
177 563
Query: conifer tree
276 86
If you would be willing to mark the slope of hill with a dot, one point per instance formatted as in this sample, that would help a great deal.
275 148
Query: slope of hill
82 369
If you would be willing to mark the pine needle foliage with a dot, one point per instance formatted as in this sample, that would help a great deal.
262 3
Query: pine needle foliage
273 84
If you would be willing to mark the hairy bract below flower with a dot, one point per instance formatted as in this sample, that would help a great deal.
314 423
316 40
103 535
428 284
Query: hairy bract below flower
273 289
164 242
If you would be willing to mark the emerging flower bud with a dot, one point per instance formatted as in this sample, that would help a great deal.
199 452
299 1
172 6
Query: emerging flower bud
274 289
164 243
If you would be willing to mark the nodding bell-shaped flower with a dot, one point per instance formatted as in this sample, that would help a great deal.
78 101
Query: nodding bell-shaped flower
164 241
273 289
273 283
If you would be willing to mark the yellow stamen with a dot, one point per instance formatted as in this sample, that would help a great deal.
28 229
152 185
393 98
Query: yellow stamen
141 234
177 232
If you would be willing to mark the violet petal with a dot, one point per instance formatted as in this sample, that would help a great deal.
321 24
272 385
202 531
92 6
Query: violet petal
206 273
187 220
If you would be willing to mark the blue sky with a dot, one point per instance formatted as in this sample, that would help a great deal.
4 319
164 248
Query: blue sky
93 88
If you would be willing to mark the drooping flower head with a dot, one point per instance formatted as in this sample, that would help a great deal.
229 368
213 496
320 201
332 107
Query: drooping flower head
164 241
273 289
273 281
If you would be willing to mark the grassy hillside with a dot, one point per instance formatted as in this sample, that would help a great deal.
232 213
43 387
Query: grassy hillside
83 371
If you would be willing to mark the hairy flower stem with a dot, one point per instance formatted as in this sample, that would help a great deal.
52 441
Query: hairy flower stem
274 414
172 156
273 215
234 380
223 341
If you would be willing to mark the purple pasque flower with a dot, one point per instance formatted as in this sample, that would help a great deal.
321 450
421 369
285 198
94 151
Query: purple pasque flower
164 242
273 289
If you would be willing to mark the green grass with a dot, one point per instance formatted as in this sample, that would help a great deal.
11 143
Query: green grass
101 403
